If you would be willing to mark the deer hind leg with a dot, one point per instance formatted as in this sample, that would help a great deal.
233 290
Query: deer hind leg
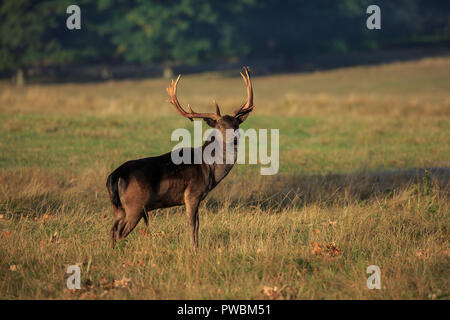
125 220
133 196
128 222
119 215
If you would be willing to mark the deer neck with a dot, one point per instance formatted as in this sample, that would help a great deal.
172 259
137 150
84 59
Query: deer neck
218 171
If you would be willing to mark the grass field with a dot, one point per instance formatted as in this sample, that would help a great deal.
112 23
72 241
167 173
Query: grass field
352 189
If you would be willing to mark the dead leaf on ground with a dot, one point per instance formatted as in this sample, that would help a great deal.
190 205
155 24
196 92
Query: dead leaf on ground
47 216
140 263
271 292
332 223
317 248
333 250
275 293
160 233
14 267
122 283
329 223
316 231
53 236
422 254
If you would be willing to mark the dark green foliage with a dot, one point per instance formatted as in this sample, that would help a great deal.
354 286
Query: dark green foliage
34 33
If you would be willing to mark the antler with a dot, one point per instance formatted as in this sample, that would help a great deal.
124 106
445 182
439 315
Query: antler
172 92
248 105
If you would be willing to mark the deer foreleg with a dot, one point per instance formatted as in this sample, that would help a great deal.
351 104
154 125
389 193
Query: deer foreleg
193 219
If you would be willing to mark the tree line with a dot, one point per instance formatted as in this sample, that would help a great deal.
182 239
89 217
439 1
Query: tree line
167 32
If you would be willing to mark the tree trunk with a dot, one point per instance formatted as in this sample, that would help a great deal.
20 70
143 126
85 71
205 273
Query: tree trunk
168 72
20 78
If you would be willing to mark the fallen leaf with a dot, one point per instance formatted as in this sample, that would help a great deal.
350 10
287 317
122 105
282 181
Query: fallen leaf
160 233
47 216
423 254
271 292
53 237
13 267
332 223
144 232
259 251
333 249
141 263
122 283
317 248
2 216
316 231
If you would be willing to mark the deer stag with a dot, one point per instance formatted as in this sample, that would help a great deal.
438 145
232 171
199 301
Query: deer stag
138 186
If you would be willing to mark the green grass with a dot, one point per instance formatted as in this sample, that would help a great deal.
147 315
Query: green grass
350 143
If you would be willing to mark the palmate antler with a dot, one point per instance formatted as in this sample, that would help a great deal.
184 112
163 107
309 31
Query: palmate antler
172 92
248 105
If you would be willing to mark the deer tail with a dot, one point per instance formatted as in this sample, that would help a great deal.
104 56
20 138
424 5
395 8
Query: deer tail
112 184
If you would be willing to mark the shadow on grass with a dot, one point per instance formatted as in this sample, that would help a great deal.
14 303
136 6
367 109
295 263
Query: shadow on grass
281 192
249 192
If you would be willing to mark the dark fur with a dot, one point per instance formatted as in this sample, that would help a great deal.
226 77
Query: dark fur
139 186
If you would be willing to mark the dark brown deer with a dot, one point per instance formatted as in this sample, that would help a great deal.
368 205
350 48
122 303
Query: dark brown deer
139 186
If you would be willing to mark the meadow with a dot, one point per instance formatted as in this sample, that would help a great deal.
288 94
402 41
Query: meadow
363 180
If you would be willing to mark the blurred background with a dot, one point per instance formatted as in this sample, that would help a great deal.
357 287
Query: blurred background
129 39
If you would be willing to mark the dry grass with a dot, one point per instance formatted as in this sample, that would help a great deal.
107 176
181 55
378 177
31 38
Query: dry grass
347 195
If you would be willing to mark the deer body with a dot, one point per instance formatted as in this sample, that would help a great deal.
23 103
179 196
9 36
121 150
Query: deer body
139 186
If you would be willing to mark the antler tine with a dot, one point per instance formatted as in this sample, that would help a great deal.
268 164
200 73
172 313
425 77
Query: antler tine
172 92
248 105
217 108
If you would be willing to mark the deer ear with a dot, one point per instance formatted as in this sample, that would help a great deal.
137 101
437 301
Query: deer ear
242 117
212 123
